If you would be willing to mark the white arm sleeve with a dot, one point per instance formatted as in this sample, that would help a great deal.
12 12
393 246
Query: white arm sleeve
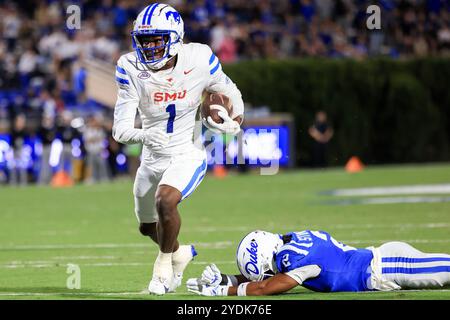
303 273
125 111
219 82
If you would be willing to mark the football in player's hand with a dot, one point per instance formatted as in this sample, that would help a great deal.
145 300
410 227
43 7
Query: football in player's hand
211 106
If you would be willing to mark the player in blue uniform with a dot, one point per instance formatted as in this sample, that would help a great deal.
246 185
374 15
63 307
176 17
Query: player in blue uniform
273 263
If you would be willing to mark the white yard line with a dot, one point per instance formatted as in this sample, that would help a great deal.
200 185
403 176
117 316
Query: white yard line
203 245
144 293
216 245
34 264
396 190
272 225
407 241
85 257
387 200
107 294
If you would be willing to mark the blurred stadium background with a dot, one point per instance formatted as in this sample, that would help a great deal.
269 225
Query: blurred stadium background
385 91
340 95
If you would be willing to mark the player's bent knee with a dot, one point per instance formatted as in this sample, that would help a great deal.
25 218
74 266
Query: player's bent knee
147 229
167 200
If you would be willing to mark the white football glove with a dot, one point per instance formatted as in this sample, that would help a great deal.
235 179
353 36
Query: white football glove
211 275
229 126
194 285
155 138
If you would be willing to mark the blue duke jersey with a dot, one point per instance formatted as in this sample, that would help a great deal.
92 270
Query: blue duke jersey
320 263
169 99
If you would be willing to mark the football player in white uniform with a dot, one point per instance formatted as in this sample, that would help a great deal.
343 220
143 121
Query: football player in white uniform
164 80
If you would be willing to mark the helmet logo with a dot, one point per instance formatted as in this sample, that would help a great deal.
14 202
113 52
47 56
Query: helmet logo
144 75
251 266
176 16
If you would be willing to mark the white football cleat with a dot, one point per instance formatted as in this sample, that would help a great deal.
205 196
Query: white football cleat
176 282
158 286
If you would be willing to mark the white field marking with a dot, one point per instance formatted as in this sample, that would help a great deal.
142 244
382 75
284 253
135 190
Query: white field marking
31 264
203 245
57 233
144 292
334 226
223 244
434 225
85 257
407 241
380 191
52 264
401 291
16 294
208 229
387 200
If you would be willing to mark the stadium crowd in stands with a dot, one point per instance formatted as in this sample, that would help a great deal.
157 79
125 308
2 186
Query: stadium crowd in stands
41 60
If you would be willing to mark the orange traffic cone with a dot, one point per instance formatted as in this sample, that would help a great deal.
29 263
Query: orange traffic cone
61 179
354 165
219 171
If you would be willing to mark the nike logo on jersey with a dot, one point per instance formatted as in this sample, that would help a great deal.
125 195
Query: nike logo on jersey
186 72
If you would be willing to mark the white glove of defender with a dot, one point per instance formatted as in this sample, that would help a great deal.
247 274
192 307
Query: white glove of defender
229 126
155 138
194 285
211 275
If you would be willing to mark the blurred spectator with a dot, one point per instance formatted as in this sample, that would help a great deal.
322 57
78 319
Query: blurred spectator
49 106
66 133
321 131
28 64
443 37
11 25
94 141
236 30
19 133
113 148
47 134
79 82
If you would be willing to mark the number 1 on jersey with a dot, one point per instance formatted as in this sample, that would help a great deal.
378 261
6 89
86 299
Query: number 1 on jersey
172 113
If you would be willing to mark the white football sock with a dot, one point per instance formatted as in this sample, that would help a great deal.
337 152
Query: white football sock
181 258
163 266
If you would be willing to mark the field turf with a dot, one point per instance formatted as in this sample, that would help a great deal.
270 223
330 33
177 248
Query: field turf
43 229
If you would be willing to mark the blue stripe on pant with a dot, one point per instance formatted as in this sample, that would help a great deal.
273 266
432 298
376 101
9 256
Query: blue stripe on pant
195 180
414 260
416 270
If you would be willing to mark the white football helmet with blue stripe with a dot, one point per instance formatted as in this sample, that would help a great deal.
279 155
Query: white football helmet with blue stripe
255 254
163 20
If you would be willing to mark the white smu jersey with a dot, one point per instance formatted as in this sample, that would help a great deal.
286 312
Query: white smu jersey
169 99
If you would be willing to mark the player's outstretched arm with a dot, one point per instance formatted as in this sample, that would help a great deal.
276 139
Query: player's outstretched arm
211 283
277 284
212 276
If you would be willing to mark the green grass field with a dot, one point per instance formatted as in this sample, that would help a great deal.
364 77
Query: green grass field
43 229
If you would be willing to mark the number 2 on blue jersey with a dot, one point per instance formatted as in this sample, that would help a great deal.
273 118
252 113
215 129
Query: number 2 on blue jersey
172 113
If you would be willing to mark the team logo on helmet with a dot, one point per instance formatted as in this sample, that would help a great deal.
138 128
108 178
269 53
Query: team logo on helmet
252 265
176 16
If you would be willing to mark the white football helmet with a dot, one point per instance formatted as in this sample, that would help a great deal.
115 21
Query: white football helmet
158 20
255 254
